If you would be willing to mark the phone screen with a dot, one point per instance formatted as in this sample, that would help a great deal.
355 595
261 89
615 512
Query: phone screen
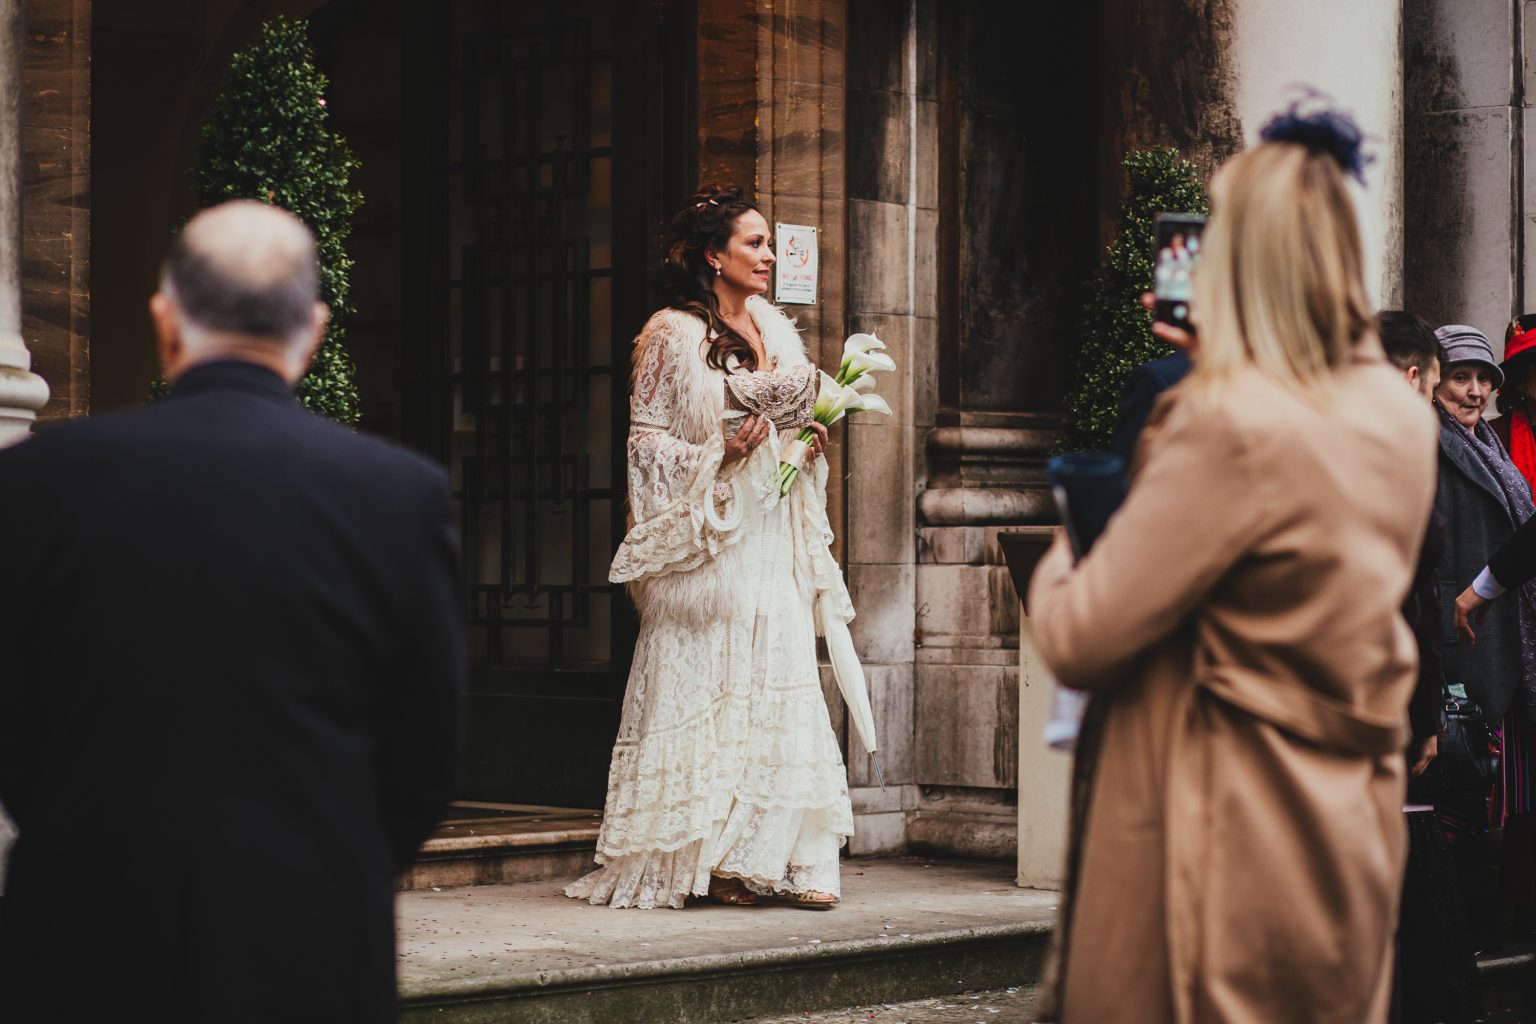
1176 253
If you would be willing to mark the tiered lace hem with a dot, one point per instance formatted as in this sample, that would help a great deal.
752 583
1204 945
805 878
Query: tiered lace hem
771 849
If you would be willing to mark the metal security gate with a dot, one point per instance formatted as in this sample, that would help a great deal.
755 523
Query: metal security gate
539 243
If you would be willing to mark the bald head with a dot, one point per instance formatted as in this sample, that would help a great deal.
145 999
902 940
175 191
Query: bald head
240 282
244 268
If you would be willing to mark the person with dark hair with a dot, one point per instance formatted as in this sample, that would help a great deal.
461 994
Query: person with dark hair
234 641
726 780
1436 974
1410 346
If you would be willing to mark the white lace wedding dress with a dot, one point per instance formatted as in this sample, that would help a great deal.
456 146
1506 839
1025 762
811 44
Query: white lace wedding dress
726 762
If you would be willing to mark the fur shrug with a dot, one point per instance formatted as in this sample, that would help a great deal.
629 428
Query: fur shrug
675 560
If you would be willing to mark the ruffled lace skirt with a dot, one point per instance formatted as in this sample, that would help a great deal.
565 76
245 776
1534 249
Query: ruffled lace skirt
726 762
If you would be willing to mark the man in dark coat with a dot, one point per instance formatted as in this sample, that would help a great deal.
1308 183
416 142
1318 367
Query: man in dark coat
232 639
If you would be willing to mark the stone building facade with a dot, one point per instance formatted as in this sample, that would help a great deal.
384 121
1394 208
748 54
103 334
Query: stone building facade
960 161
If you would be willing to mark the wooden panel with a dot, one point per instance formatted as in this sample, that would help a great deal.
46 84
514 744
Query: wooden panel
56 153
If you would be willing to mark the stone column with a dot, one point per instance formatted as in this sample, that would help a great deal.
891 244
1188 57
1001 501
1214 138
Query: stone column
1353 53
22 392
1466 183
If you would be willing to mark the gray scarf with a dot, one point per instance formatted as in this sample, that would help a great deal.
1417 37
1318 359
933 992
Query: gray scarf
1485 444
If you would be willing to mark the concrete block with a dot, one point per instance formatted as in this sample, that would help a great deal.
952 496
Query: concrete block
879 159
891 700
881 508
877 34
965 600
952 545
1457 54
874 800
807 140
877 276
1528 223
804 42
1458 230
925 278
967 731
973 836
1044 779
924 347
883 596
928 154
875 834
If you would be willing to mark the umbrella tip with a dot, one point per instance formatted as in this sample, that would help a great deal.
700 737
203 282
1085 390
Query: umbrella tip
875 760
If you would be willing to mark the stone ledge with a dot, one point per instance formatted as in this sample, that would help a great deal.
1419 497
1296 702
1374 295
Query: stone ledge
524 953
495 853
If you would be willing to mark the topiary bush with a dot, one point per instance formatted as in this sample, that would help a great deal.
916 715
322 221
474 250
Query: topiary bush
266 139
1114 333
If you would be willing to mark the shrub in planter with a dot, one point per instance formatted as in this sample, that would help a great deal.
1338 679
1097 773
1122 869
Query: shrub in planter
1114 331
266 139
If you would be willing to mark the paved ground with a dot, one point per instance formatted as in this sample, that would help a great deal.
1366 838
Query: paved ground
453 936
1012 1006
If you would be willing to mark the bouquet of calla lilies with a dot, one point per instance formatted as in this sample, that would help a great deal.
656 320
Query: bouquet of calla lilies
852 390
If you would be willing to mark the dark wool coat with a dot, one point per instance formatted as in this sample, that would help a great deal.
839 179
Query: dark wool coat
1477 524
232 645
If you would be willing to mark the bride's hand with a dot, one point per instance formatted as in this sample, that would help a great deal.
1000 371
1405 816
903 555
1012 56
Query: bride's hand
819 442
752 432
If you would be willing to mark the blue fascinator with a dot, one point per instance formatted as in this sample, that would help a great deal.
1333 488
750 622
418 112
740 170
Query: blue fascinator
1322 131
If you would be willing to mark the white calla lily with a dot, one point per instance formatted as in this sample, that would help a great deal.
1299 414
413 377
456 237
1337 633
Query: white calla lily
863 362
871 403
862 343
861 383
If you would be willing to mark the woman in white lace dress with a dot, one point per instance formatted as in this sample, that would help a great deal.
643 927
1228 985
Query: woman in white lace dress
726 780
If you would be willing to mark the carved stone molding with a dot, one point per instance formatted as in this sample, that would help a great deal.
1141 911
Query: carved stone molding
987 476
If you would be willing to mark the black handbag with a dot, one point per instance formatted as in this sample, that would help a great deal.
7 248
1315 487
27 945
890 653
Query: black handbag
1458 780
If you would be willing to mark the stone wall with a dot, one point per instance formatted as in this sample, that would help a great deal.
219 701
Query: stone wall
1352 54
1469 200
56 189
1018 146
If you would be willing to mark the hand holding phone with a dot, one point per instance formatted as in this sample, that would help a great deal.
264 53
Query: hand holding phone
1176 253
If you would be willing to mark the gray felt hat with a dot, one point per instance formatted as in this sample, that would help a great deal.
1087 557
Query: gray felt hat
1462 344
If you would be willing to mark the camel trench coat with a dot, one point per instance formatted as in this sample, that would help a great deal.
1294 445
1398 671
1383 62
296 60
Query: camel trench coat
1240 853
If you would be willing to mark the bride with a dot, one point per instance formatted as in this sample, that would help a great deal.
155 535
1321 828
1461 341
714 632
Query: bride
726 778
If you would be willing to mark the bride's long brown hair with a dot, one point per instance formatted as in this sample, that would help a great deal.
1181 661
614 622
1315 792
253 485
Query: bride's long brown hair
707 221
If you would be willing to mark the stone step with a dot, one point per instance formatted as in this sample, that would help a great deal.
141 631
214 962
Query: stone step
907 929
499 844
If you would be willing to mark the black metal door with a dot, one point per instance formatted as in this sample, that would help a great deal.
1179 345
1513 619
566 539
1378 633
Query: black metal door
538 242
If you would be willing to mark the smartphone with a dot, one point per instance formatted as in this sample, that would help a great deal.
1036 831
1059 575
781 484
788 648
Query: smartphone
1175 254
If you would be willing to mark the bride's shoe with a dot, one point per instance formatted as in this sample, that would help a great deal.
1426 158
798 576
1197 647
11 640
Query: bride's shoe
732 892
814 899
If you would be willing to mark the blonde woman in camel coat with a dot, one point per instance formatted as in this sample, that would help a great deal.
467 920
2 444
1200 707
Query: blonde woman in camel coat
1238 838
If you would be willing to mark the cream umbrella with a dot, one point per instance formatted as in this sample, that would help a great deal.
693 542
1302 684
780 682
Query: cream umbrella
850 681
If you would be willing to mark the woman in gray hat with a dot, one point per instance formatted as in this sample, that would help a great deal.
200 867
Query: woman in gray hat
1484 499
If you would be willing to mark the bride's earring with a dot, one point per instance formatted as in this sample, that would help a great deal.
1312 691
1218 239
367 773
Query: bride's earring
717 270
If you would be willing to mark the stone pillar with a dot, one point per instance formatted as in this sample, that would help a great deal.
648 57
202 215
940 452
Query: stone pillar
22 392
1468 191
1353 53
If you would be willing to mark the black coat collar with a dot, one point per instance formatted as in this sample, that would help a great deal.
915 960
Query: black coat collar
232 375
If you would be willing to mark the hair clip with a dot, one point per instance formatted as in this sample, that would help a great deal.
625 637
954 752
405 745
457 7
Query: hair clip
713 203
1324 131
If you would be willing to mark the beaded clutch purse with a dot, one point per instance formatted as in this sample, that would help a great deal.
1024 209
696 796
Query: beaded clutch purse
787 398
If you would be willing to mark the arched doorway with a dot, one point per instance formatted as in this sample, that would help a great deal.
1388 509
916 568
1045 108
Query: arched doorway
518 161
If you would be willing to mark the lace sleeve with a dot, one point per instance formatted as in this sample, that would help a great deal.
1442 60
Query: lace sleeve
682 513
